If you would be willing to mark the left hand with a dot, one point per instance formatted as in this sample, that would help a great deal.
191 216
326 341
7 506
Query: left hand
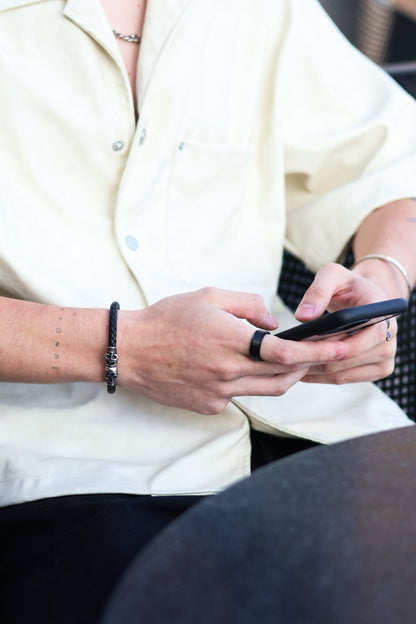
371 356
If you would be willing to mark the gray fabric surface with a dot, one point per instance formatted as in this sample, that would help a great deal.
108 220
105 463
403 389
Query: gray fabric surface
325 536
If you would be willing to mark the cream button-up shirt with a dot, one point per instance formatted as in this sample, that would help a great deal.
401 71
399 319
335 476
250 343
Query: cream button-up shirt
259 127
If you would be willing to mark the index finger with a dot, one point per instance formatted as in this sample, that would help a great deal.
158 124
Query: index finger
289 352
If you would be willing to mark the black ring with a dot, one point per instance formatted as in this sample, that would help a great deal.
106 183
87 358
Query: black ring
255 344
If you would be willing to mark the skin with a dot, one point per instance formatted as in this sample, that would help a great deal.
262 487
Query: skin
127 17
191 350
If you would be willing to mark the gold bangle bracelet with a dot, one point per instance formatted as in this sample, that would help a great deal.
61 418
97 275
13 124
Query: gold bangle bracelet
392 261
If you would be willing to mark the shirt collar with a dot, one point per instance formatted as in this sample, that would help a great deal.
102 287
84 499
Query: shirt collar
162 16
15 4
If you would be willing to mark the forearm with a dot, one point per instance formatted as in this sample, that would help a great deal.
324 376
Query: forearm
391 231
48 344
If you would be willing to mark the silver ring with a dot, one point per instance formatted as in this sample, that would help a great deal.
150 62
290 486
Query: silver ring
389 335
255 344
388 323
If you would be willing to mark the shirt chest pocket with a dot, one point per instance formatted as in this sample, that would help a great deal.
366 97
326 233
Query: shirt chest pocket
205 210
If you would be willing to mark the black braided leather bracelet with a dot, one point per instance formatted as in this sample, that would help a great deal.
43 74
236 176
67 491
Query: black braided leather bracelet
111 356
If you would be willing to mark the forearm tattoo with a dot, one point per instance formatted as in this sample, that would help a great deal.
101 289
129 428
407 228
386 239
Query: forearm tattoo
58 340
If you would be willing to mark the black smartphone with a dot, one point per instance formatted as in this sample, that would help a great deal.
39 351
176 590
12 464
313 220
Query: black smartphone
346 321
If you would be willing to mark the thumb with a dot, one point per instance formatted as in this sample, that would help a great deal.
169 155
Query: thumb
318 297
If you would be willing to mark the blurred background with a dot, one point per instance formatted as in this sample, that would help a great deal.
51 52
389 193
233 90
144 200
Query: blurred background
384 30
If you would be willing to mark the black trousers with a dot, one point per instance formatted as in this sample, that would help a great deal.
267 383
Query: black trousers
61 557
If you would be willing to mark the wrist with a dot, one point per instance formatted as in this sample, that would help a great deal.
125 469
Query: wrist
132 342
85 343
385 271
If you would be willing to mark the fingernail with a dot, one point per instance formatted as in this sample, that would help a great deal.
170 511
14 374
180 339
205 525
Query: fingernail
340 352
272 320
307 309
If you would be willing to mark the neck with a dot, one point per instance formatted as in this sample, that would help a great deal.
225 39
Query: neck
127 17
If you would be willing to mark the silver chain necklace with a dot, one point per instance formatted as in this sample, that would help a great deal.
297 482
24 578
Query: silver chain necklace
129 38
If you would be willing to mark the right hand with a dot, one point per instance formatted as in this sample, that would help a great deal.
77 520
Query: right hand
191 351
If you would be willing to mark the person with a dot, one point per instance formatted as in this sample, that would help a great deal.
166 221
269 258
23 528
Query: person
165 171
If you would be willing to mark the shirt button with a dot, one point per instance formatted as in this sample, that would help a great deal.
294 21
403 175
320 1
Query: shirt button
142 136
118 145
132 242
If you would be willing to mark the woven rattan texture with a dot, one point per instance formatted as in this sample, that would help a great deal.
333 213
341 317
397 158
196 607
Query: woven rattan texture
401 385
